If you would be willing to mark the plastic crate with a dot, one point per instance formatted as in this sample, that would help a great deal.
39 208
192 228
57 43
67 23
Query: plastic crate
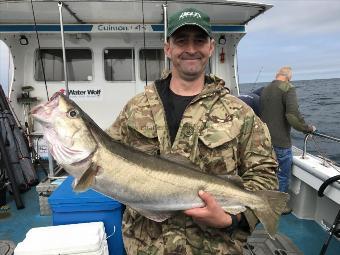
70 207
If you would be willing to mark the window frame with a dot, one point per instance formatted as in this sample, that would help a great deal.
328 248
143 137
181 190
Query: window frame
133 49
70 48
139 59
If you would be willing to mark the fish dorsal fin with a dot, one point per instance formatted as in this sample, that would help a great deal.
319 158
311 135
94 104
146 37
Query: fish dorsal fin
87 179
234 179
181 160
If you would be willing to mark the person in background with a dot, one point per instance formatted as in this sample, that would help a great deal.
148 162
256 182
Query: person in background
253 100
280 111
189 113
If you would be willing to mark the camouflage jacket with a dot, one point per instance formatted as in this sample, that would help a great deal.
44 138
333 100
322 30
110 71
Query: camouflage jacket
220 134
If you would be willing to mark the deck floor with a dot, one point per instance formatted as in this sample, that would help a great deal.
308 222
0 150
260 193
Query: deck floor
307 235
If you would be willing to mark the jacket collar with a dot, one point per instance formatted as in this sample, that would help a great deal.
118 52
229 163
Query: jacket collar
213 85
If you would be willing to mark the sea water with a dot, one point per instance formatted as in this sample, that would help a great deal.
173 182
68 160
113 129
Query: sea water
319 103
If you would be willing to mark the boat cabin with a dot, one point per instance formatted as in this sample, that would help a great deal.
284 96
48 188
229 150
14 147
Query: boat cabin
110 57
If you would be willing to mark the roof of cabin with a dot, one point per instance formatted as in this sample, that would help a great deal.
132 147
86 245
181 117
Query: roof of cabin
124 11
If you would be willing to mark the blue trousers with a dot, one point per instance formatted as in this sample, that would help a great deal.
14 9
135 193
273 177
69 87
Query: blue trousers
285 158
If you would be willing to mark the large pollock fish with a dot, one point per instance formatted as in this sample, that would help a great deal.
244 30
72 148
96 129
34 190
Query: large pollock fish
154 186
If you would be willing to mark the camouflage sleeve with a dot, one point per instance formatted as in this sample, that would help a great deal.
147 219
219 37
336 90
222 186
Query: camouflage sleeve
258 161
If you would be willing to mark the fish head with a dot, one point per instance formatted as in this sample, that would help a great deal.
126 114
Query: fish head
65 128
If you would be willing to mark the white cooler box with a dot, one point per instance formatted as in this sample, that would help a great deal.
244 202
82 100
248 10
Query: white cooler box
82 239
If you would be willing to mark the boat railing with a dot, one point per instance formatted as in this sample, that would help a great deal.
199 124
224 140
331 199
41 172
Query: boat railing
316 133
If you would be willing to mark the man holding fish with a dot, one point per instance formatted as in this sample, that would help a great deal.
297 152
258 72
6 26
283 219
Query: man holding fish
191 114
193 164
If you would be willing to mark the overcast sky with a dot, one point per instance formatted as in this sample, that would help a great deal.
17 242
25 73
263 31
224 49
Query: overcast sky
304 34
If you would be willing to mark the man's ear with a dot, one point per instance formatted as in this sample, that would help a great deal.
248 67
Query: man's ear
212 46
167 48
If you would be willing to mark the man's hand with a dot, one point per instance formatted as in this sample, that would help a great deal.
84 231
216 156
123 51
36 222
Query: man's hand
311 128
211 214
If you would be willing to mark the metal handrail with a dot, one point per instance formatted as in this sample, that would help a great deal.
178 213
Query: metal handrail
335 139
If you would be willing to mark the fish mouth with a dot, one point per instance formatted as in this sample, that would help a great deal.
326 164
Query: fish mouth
43 112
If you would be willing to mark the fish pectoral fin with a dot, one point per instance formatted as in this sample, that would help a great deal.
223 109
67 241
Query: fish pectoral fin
87 179
158 216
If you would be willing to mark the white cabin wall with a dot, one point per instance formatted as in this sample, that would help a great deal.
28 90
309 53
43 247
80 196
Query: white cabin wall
227 70
16 80
114 94
5 66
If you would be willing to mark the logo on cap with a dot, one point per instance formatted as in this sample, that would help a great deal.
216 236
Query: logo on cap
189 14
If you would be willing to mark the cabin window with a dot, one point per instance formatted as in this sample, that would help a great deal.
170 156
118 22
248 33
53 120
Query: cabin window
79 65
119 64
154 63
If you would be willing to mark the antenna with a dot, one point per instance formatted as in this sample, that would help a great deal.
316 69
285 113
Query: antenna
40 53
144 45
165 13
257 77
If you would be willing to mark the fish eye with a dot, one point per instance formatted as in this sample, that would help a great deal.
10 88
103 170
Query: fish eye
73 113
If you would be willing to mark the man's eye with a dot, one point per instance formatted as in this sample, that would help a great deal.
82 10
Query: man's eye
73 113
200 40
180 40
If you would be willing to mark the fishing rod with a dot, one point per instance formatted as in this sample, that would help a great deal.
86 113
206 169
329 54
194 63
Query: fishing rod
257 77
336 139
165 17
60 5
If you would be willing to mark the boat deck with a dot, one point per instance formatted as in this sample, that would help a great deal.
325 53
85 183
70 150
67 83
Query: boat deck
307 235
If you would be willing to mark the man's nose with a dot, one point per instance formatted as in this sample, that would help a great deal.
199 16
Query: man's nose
191 46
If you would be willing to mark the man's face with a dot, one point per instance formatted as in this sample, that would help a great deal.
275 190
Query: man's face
189 49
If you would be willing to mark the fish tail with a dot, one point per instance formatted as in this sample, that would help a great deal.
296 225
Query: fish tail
269 214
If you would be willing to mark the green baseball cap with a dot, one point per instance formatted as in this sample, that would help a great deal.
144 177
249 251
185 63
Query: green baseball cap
189 16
